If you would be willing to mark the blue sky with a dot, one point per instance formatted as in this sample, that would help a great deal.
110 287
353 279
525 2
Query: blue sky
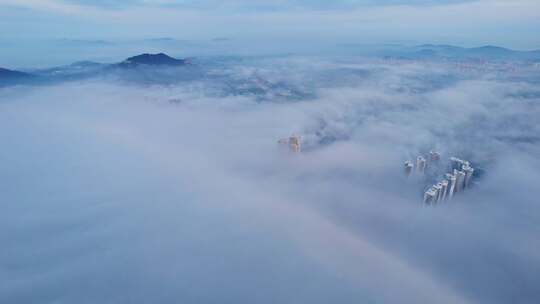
512 24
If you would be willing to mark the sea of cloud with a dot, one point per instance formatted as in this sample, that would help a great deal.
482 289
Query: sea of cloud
141 189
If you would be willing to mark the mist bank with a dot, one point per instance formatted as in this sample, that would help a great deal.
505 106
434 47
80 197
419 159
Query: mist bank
121 190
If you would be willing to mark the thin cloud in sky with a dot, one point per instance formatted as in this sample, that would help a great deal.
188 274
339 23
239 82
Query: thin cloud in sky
266 4
453 22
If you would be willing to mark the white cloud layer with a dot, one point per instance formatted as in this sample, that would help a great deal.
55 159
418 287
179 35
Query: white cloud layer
111 193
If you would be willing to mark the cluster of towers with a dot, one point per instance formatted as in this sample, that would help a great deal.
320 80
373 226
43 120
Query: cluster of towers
294 143
422 163
457 180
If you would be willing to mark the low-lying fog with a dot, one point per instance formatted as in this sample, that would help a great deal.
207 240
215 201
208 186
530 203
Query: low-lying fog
117 191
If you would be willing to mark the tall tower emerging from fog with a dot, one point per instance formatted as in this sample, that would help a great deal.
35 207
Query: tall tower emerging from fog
434 156
430 196
438 188
455 163
469 171
295 143
409 166
444 186
451 185
460 180
420 164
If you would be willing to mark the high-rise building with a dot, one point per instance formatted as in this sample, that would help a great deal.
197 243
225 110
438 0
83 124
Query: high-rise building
294 143
469 171
430 196
444 185
438 189
420 164
455 163
409 166
434 156
460 180
451 185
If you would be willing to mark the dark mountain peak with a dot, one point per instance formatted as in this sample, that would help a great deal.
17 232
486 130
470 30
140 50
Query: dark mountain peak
153 59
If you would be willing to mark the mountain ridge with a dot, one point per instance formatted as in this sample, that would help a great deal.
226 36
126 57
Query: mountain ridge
7 73
159 59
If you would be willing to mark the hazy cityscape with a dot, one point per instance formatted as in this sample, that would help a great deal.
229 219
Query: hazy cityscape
269 151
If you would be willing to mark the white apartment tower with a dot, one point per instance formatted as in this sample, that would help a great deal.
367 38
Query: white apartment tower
444 185
460 180
430 196
451 185
420 164
409 166
469 171
438 187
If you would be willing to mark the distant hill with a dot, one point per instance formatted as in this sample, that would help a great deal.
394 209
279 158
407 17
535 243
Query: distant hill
152 59
76 70
484 52
11 77
152 63
11 74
